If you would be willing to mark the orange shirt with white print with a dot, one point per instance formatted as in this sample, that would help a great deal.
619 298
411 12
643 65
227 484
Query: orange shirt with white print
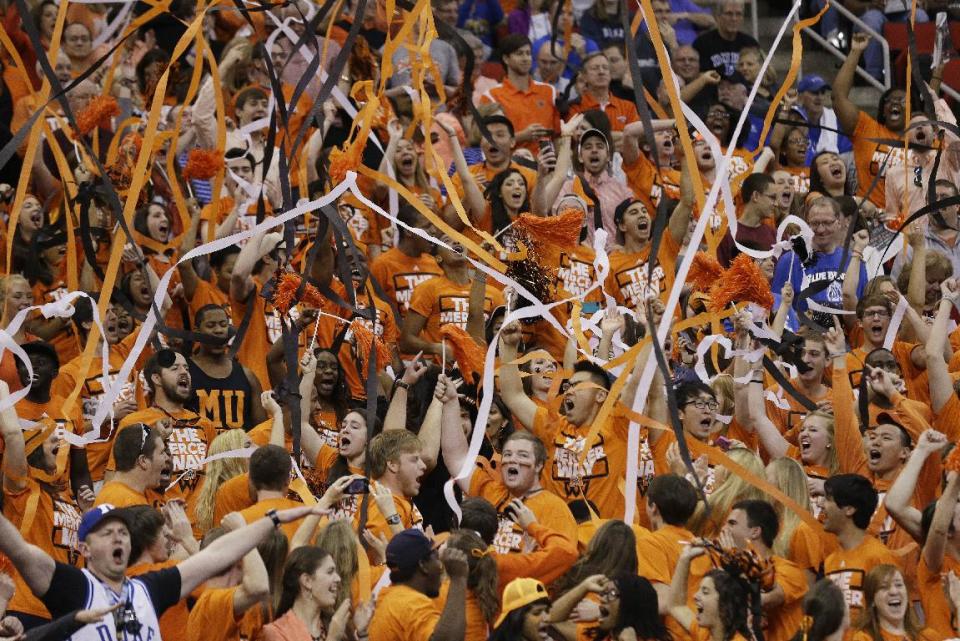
189 440
630 279
550 510
599 476
92 386
53 528
441 302
847 569
870 156
643 178
399 274
555 554
534 106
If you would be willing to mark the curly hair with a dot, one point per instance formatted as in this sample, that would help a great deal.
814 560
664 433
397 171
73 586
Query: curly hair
732 594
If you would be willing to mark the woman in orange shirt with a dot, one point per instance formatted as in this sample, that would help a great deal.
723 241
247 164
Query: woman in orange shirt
15 296
46 272
523 616
888 613
482 601
795 540
627 602
720 601
310 587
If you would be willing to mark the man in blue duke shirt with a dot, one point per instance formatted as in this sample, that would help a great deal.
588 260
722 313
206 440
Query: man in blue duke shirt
823 216
811 94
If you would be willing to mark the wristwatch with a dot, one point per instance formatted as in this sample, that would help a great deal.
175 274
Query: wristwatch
393 520
272 515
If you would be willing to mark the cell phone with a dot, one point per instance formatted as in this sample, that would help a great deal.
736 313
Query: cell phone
546 143
358 486
723 443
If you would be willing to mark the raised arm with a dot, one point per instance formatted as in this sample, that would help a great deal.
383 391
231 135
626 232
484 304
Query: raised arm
255 584
940 381
241 280
851 278
310 441
452 623
15 467
551 188
473 200
917 285
430 429
680 219
188 276
936 544
634 131
511 386
564 606
453 442
899 498
847 112
677 599
396 418
230 548
34 565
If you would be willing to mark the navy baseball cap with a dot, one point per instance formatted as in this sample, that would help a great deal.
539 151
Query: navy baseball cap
100 514
408 548
813 83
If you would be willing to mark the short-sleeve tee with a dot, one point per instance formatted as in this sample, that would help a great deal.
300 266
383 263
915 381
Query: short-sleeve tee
403 614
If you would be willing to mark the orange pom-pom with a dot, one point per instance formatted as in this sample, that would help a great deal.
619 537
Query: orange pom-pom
97 114
344 160
6 565
704 272
952 462
466 352
743 282
561 231
202 164
364 340
285 293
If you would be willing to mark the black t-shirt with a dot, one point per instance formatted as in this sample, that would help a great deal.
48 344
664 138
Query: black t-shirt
70 589
720 54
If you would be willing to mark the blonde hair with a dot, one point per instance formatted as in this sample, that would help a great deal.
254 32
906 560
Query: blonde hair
792 481
722 387
733 489
6 281
217 473
833 463
340 542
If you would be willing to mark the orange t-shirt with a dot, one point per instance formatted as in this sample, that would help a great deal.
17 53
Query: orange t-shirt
847 568
56 519
658 553
259 509
92 384
599 477
784 621
441 301
643 178
188 442
120 494
211 617
870 156
806 548
476 628
550 510
410 516
936 609
265 328
65 340
629 281
207 294
232 496
399 274
403 614
174 621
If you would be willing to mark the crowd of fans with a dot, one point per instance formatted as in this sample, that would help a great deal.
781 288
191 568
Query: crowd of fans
444 321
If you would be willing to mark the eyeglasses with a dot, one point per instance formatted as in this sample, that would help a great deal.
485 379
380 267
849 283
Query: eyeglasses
703 404
610 594
878 313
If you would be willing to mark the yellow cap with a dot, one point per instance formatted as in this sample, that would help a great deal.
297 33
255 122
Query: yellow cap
518 593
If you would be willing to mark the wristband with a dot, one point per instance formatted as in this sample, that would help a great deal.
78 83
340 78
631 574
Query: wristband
393 520
405 386
272 515
837 354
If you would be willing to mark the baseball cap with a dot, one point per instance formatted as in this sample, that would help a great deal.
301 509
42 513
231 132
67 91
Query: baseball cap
93 518
408 548
813 83
518 593
589 133
735 78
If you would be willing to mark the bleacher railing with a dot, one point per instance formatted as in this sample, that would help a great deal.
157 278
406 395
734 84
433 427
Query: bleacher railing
832 49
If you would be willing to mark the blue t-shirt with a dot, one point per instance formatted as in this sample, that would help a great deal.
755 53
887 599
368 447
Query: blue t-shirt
480 17
826 267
